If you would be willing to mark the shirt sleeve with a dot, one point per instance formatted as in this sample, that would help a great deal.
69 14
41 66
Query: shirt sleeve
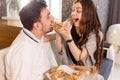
18 66
91 45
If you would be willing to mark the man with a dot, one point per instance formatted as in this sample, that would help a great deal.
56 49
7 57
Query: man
30 55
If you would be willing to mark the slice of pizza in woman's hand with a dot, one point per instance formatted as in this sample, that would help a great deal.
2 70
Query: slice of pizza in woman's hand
58 26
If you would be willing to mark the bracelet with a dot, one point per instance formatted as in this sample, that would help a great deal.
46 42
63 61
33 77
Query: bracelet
70 40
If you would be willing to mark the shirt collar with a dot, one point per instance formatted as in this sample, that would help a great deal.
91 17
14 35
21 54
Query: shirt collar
32 36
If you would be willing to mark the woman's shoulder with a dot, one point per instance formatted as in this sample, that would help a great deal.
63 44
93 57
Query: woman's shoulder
92 34
101 35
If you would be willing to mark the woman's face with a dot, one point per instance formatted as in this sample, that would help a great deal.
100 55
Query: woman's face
76 13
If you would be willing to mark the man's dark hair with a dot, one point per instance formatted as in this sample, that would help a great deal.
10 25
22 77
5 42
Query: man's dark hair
31 13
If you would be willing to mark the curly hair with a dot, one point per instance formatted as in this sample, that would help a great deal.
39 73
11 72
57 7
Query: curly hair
90 23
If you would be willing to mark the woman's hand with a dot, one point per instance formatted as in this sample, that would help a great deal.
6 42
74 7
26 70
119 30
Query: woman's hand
66 31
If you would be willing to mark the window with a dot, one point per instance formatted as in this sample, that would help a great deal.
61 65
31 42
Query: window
53 5
23 3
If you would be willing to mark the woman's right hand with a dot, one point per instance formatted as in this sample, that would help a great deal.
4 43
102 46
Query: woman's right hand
65 32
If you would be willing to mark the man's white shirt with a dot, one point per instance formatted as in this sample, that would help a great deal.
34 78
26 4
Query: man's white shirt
28 57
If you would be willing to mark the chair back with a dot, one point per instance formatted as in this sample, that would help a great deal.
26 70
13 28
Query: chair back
7 35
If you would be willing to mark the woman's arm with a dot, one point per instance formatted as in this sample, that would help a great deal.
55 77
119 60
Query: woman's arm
59 42
76 52
90 45
50 37
57 37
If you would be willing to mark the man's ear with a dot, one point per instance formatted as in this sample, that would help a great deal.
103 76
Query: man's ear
36 25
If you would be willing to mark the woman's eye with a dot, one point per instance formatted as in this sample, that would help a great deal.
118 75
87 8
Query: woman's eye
79 11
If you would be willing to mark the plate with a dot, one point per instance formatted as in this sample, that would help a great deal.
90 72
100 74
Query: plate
65 72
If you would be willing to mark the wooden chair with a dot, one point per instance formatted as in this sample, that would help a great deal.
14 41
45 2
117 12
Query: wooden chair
7 35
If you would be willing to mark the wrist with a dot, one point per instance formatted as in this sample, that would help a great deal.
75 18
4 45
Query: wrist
68 37
69 40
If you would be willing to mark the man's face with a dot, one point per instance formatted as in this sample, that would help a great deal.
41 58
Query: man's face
46 20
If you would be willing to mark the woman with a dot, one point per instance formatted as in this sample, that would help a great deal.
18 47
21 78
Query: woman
84 37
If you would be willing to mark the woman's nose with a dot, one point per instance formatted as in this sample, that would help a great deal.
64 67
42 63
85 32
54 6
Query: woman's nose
73 14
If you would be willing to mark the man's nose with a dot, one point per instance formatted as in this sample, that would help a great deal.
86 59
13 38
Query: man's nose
52 18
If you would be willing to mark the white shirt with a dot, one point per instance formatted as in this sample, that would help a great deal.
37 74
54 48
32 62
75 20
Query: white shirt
28 57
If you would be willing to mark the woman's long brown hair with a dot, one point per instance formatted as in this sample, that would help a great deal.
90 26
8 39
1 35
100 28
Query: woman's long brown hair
90 23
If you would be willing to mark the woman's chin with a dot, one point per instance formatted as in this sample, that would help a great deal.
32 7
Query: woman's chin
76 24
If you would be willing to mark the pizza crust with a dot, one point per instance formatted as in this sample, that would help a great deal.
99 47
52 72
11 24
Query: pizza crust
58 26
